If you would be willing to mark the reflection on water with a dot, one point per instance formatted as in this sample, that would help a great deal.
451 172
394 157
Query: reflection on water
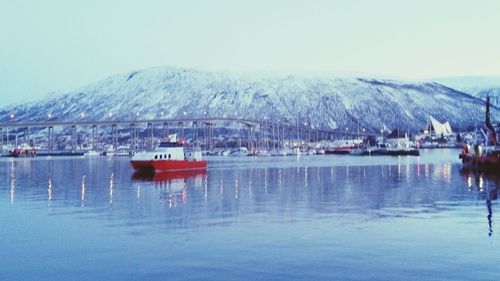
83 191
303 217
342 185
111 189
490 215
49 190
488 186
173 186
12 182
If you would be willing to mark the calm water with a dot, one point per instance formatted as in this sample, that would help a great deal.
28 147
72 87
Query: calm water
283 218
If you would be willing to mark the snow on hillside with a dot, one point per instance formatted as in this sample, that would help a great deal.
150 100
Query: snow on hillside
323 102
477 86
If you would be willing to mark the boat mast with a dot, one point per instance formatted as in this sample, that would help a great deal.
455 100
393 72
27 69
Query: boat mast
491 131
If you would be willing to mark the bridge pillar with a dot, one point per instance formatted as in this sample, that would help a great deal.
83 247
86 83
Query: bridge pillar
73 138
272 133
195 130
51 139
114 136
181 130
133 140
150 135
209 137
1 141
165 130
283 135
251 146
95 142
265 136
26 138
278 135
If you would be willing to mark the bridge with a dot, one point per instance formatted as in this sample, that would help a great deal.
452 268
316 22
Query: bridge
256 132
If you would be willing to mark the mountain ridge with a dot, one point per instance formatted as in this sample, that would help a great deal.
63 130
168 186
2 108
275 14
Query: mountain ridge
325 102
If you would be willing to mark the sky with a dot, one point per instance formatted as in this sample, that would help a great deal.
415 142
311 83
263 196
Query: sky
52 46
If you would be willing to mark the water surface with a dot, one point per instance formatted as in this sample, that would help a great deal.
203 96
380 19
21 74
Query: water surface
270 218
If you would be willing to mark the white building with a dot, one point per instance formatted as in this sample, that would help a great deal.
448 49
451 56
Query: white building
436 128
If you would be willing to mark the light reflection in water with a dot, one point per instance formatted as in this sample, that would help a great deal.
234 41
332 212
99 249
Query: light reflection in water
12 182
347 173
265 182
205 188
82 197
49 190
250 183
327 224
174 186
418 166
399 165
488 186
221 188
111 189
236 187
442 172
305 177
184 195
407 168
489 217
280 179
332 176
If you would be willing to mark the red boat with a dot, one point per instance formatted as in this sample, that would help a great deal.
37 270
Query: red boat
23 151
487 157
343 146
169 156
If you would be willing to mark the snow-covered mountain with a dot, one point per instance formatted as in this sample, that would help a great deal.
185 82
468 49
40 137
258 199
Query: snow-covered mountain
477 86
325 102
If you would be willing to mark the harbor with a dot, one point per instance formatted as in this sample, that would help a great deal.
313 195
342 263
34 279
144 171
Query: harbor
218 136
250 140
313 210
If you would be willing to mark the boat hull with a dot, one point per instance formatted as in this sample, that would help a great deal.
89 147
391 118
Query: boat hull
337 151
398 152
168 165
487 163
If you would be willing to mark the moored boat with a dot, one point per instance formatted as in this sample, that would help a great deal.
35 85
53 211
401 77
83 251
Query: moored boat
240 151
91 153
343 146
169 156
485 157
23 151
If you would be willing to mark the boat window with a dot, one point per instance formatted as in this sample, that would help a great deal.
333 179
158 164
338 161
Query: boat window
169 156
160 156
156 156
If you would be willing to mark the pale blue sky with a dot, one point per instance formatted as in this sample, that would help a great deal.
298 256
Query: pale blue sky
61 45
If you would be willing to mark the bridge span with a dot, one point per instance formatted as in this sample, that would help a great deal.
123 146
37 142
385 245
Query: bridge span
200 131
